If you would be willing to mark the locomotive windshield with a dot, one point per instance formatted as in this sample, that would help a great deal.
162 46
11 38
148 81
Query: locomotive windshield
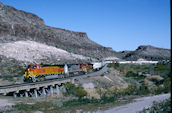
29 66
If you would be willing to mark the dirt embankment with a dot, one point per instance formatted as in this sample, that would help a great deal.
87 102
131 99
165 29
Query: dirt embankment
107 81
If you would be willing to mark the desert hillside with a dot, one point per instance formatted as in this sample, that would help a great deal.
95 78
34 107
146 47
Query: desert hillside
18 25
24 39
147 52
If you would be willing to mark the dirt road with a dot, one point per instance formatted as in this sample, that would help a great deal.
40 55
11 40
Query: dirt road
138 105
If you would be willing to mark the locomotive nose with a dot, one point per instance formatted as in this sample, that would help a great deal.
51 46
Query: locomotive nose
26 72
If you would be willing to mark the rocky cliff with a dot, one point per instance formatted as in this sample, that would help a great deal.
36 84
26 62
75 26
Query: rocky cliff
147 52
25 39
18 25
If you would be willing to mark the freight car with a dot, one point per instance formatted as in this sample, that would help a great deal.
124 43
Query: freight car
98 65
39 72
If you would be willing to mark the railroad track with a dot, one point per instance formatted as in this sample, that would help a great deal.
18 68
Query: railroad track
36 85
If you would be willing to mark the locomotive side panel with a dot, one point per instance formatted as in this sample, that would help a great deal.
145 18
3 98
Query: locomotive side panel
34 72
49 70
74 68
41 72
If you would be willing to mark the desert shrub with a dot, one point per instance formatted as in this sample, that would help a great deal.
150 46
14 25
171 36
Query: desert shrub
94 101
22 71
131 74
167 85
80 92
102 75
106 99
158 90
160 67
132 89
143 90
70 88
159 107
34 107
113 65
169 74
77 91
134 75
115 92
83 101
9 78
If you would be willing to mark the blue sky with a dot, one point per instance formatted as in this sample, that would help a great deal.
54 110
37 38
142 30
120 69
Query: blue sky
120 24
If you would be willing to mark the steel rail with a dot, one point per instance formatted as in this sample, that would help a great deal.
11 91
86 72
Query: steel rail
104 69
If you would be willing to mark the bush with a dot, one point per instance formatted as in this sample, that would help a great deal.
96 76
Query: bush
9 78
131 74
22 71
113 65
134 75
102 75
37 106
80 92
161 67
167 85
132 89
70 88
78 102
159 107
84 101
143 90
77 91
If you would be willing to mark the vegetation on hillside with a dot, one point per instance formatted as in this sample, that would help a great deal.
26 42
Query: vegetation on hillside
142 85
154 79
159 107
72 89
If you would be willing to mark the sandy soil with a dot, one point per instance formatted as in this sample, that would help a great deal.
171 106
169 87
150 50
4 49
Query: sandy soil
5 102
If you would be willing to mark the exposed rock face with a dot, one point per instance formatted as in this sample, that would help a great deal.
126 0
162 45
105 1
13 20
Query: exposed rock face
11 15
24 38
18 25
33 52
148 53
21 32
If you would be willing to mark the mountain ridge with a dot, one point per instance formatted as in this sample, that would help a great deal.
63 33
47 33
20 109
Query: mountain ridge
27 30
147 52
20 26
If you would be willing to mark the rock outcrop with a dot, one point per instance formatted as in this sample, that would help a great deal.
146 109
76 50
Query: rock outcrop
24 39
147 52
18 25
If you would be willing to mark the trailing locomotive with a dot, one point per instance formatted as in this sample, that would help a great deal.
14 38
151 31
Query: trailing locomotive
39 72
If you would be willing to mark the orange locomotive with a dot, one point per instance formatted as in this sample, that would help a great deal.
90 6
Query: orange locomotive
38 72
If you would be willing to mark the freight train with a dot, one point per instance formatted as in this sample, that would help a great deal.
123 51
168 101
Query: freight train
37 72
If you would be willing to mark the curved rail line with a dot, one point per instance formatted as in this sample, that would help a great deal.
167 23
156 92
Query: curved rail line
12 88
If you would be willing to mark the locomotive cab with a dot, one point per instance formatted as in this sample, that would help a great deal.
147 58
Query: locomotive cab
29 72
40 72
